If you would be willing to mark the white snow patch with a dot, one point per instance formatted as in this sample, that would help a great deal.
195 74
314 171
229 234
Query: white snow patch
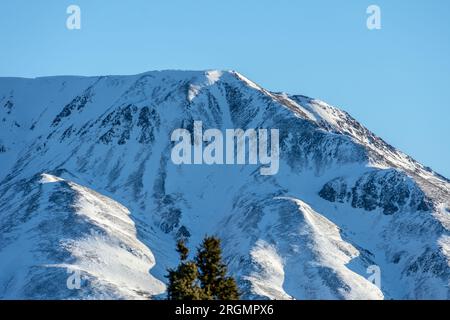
48 178
213 76
269 280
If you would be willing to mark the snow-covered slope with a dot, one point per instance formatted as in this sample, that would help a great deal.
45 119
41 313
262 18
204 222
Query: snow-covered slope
87 184
69 231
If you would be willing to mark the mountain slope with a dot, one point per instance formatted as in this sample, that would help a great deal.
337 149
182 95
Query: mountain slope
71 231
342 201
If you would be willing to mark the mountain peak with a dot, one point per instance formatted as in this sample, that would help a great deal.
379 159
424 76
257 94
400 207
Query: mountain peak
94 153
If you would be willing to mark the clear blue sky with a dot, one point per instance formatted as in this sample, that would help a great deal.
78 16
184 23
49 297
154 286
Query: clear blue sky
396 81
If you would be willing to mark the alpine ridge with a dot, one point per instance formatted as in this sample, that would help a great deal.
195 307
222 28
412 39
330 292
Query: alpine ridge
87 185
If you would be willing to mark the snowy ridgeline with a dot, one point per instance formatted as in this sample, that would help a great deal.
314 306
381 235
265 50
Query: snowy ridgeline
91 204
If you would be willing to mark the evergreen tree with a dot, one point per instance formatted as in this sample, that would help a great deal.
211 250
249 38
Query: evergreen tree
228 289
212 272
204 278
183 280
182 250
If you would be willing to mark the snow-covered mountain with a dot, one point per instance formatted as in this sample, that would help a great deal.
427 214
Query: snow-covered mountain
87 187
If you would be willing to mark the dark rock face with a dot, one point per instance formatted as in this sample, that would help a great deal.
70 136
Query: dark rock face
336 191
121 122
148 121
77 103
8 106
390 190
